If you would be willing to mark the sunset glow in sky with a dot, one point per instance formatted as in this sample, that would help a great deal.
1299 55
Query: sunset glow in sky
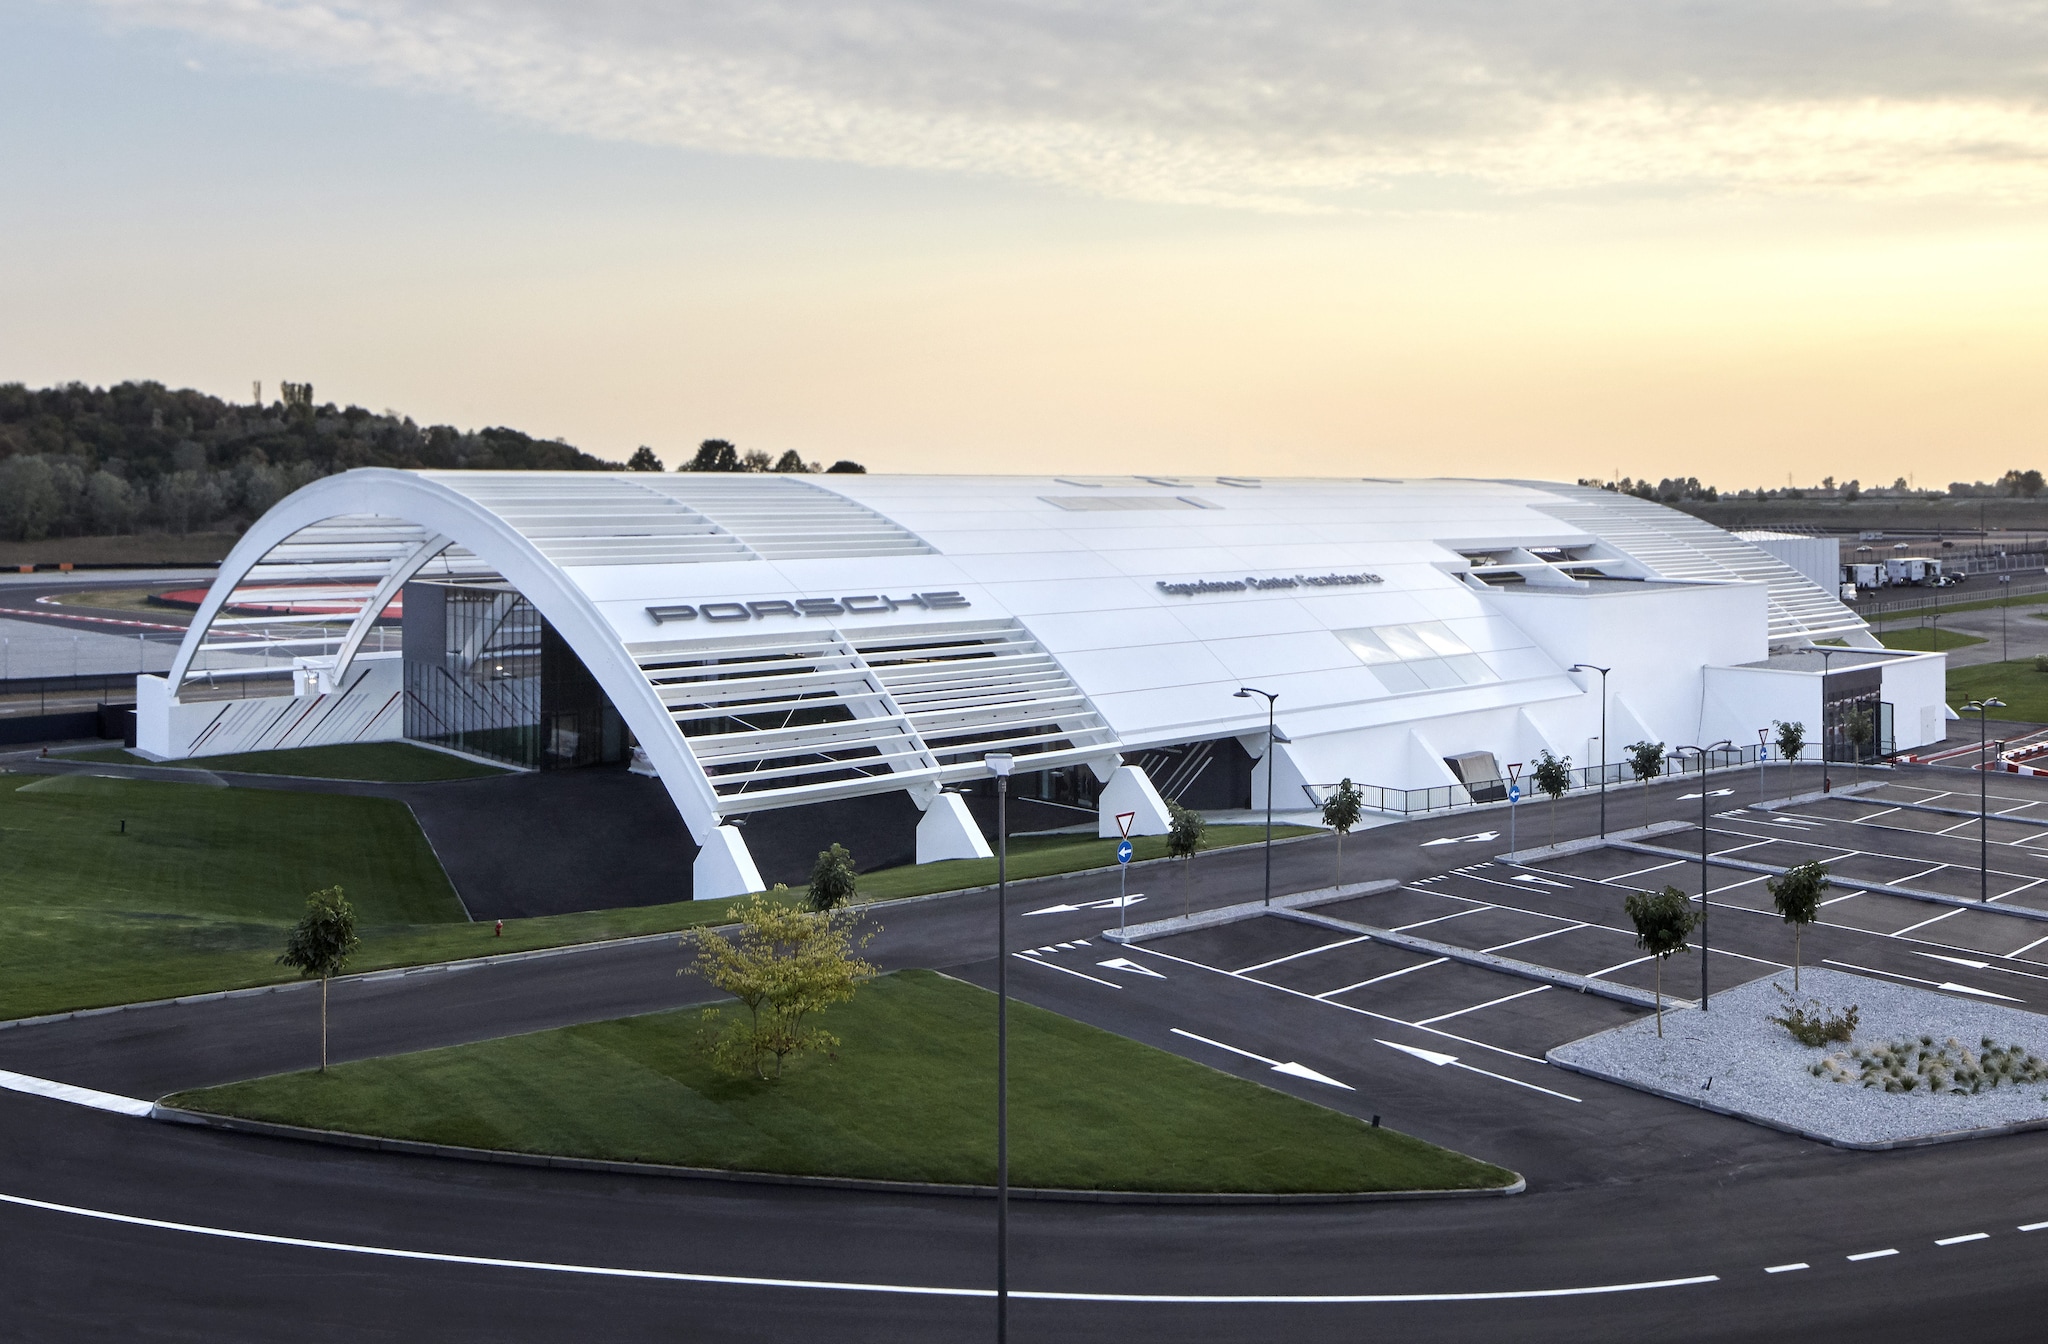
1733 240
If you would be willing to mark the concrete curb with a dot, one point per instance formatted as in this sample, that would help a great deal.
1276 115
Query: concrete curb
1880 888
1231 914
1819 796
1700 1102
414 1148
1527 970
1586 845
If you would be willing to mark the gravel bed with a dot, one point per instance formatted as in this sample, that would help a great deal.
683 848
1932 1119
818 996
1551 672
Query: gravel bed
1735 1061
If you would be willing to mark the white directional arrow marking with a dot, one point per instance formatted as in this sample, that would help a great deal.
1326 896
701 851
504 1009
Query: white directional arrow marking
1542 881
1959 961
1126 964
1462 839
1111 904
1439 1059
1716 793
1954 988
1290 1068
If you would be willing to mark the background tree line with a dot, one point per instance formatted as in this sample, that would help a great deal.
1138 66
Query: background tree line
139 457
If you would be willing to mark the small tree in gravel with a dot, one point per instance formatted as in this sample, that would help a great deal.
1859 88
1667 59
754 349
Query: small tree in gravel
1646 762
1663 920
1796 893
833 881
320 944
1341 812
1553 775
1791 739
1184 830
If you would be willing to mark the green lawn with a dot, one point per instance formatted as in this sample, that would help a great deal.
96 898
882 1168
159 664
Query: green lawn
198 892
908 1095
387 762
2024 690
1926 639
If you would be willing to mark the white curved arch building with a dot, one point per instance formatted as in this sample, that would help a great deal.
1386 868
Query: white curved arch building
771 642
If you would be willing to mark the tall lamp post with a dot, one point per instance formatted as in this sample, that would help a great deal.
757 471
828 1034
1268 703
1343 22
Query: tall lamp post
1982 709
2004 605
1245 693
1826 784
1603 671
1723 745
999 764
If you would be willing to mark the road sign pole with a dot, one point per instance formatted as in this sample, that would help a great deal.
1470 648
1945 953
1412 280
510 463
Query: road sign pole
1123 869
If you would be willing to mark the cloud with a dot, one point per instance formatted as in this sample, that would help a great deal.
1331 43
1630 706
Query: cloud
1295 104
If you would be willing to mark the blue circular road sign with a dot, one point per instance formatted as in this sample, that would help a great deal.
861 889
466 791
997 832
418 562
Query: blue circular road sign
1123 852
1514 793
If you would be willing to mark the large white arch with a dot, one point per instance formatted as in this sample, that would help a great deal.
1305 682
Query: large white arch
446 517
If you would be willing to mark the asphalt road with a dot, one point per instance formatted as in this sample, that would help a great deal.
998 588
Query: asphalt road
1624 1189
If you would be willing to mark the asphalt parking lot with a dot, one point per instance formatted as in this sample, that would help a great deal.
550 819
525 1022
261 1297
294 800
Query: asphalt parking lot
1457 1052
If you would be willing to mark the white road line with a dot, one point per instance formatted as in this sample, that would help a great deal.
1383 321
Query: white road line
1915 877
1440 1059
1476 908
830 1285
1054 966
77 1096
1873 1255
1949 985
1968 1236
1505 998
1633 961
2032 1227
2028 948
1349 1008
1786 1269
1247 970
1418 966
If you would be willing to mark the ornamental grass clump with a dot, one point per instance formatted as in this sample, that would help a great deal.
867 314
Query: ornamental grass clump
1922 1065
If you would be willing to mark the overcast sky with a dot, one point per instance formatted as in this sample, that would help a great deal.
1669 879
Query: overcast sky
1731 240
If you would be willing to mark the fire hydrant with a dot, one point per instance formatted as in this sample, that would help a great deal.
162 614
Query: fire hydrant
501 930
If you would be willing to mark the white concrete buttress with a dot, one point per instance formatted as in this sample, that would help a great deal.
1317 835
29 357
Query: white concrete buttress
1130 790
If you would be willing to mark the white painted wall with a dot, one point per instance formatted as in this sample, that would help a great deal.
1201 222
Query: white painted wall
1917 684
1818 558
371 709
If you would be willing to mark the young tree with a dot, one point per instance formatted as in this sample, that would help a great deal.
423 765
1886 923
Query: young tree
1791 739
1183 837
1341 812
1797 895
320 945
1553 775
1662 921
784 966
1646 762
833 881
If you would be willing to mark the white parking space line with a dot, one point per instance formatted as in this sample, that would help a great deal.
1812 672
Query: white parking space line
1346 1007
1476 908
2028 948
1633 961
1419 966
1935 919
1638 872
1873 1255
1968 1236
1307 952
1786 1269
1572 927
1505 998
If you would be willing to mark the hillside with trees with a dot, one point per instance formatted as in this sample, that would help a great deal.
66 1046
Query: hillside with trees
78 461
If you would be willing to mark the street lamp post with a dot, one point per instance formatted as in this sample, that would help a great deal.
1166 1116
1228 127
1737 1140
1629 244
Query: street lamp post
999 764
1723 745
2004 605
1245 693
1826 785
1982 709
1603 671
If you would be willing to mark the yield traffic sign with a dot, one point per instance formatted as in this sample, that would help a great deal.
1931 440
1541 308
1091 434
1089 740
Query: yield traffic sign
1123 823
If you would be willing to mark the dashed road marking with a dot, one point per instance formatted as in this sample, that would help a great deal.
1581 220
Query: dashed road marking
1786 1269
1874 1255
1967 1236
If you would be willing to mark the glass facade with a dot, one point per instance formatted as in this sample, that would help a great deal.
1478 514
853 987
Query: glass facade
485 674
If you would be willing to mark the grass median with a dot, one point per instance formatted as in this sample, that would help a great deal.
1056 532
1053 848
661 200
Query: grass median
119 890
1927 639
2022 686
908 1095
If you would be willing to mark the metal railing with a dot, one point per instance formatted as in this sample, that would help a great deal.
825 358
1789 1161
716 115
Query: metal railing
45 695
1494 792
